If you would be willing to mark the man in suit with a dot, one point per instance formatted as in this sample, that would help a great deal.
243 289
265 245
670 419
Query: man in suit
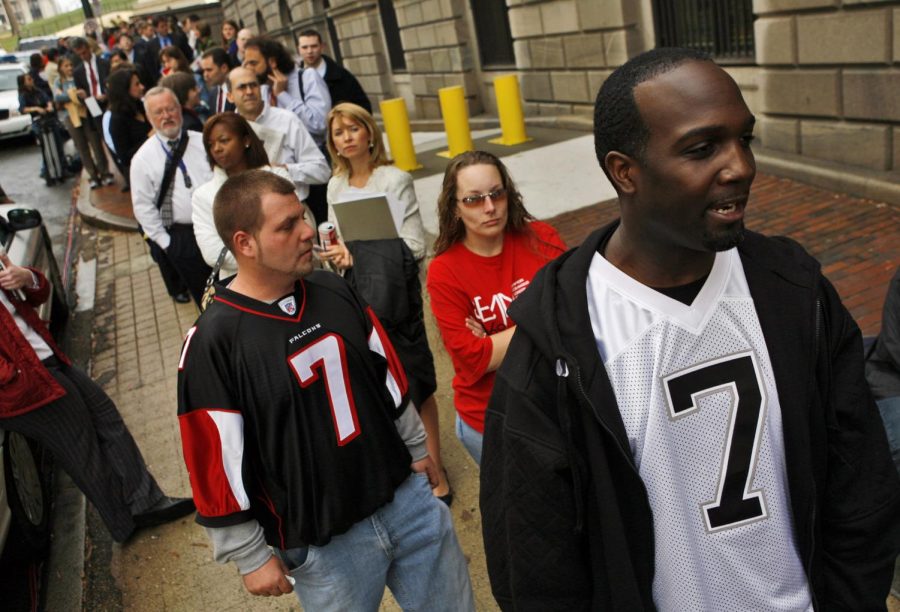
214 63
135 55
342 85
165 37
90 82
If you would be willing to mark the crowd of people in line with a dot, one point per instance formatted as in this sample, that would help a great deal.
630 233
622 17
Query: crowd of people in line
306 387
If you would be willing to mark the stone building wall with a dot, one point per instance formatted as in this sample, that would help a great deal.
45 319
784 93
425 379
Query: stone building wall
830 80
825 83
565 49
438 47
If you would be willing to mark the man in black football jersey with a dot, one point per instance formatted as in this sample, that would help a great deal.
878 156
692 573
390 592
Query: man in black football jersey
297 430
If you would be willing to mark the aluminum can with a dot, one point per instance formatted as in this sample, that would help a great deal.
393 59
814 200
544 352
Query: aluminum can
327 234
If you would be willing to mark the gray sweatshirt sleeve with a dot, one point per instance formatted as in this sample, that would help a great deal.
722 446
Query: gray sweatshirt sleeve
245 544
410 427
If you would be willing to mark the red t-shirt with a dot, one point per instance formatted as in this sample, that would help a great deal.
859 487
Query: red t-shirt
463 284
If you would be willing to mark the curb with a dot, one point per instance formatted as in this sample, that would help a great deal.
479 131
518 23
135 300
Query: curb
100 218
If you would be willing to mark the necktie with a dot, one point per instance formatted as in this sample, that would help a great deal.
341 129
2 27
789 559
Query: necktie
220 101
94 91
165 209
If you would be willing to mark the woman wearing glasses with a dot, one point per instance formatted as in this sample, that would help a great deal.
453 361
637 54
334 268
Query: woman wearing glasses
487 251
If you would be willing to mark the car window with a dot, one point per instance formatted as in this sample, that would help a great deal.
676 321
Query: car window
8 80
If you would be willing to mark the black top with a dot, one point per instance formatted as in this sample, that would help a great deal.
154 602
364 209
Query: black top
883 361
297 391
128 134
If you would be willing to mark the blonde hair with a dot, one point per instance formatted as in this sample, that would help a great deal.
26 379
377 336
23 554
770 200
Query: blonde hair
377 154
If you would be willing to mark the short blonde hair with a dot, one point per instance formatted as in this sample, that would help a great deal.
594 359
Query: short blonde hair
377 154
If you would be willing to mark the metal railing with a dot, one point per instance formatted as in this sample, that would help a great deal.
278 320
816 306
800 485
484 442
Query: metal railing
721 28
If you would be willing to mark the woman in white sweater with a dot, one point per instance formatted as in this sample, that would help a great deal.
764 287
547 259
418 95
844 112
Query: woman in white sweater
360 166
232 147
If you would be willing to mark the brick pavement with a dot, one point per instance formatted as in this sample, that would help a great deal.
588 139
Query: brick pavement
857 240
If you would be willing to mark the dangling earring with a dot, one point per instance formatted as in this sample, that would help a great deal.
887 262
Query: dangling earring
371 145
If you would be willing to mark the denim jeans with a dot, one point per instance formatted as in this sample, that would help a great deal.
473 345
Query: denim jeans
408 545
470 438
889 408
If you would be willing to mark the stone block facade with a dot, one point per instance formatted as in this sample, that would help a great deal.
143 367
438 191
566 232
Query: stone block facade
830 74
824 80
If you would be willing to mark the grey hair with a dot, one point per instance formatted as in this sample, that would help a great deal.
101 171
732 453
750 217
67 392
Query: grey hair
158 91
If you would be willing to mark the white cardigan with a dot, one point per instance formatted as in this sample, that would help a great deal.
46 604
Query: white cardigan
393 180
205 228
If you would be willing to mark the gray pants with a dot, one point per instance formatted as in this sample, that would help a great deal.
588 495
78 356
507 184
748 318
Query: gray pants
88 141
85 433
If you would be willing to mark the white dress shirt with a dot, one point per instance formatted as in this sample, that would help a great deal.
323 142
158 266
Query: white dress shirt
311 105
147 168
95 87
304 161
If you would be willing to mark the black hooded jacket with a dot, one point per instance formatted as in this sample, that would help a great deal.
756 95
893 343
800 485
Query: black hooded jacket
566 518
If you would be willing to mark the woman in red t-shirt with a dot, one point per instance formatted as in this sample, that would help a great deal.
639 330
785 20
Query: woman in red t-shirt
487 251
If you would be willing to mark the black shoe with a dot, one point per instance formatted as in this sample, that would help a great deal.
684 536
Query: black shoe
182 298
447 498
165 510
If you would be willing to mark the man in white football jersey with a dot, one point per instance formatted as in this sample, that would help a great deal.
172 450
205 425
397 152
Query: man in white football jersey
682 420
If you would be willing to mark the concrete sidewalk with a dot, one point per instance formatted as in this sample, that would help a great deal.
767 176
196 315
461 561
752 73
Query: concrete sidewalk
138 332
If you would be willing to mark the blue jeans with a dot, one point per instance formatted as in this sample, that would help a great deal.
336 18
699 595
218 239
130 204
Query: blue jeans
408 545
470 438
889 408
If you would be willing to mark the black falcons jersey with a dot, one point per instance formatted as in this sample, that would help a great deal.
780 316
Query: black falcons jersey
287 412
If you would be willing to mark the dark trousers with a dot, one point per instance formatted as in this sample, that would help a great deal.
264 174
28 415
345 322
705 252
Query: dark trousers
87 437
182 265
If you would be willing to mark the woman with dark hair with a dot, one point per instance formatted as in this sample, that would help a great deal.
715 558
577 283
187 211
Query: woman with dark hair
32 100
173 60
184 85
45 127
204 40
487 251
116 59
232 147
361 166
128 126
229 36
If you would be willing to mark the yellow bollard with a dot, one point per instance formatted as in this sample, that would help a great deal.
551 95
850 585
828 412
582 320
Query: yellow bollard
509 107
456 120
396 125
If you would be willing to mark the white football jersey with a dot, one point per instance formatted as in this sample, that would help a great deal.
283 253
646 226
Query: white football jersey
697 395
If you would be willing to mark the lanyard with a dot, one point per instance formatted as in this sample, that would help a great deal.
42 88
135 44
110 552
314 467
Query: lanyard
184 172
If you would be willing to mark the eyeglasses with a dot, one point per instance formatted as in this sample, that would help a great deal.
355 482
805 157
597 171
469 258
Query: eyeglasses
472 200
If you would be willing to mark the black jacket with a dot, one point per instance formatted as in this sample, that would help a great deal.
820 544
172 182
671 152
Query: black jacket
566 519
883 361
343 86
386 274
83 81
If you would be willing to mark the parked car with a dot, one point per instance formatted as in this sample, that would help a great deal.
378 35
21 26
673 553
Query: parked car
25 469
12 122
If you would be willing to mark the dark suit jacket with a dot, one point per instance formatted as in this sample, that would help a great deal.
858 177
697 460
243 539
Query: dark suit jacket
83 81
210 95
